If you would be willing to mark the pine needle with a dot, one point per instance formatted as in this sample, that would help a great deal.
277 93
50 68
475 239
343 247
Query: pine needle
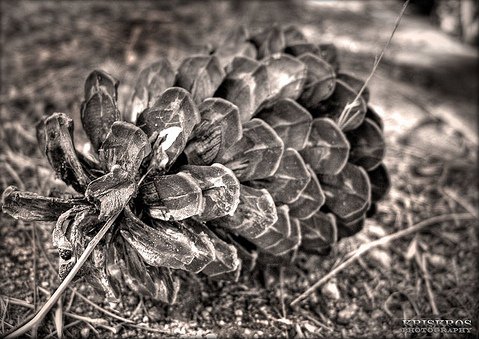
427 279
64 285
59 318
343 118
78 294
76 322
380 242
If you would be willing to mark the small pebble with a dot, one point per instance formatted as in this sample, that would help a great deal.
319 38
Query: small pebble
179 330
211 336
239 313
314 298
330 290
380 257
45 284
285 321
310 328
363 317
377 314
85 332
376 231
132 300
156 314
437 261
331 312
345 315
411 250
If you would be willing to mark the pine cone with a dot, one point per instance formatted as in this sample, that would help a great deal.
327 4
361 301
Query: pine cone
226 161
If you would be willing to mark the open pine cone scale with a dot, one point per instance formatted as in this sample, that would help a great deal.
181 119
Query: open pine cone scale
226 161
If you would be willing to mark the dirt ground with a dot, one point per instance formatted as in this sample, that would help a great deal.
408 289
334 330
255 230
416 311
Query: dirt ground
49 47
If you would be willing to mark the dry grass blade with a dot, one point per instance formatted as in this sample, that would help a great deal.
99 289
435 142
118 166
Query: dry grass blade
78 294
380 242
4 314
454 196
149 329
35 290
14 175
15 301
64 285
59 319
64 328
343 117
427 279
281 280
23 303
92 321
316 321
34 249
113 315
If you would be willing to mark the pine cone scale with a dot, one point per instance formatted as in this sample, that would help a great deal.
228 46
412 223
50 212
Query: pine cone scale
248 154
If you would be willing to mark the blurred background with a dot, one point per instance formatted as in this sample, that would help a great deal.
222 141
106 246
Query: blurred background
429 73
458 18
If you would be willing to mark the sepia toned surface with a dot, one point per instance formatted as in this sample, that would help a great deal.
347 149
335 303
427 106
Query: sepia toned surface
50 48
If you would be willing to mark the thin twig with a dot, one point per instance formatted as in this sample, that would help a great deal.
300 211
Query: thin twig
19 302
315 321
138 308
35 292
93 329
377 61
14 175
146 328
64 285
21 131
380 242
72 298
76 293
4 314
76 322
464 204
34 248
427 279
281 291
42 250
113 315
95 321
58 319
